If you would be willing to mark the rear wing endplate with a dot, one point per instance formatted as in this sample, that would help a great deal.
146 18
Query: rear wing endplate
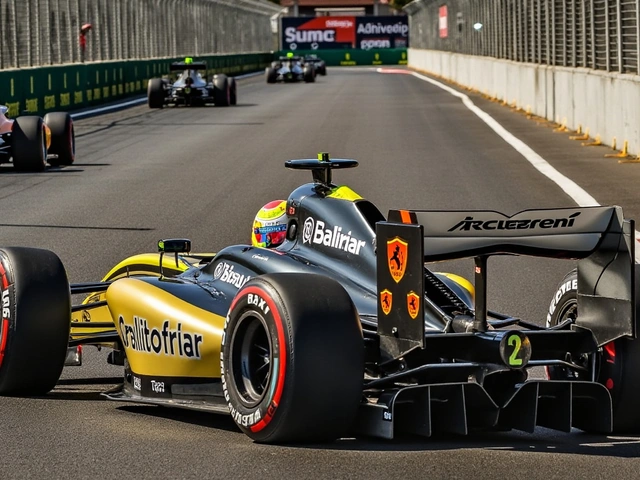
600 239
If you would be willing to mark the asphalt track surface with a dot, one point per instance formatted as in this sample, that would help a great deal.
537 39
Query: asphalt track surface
143 175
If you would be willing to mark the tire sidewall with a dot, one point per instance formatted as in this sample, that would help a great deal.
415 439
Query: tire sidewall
261 419
8 313
609 364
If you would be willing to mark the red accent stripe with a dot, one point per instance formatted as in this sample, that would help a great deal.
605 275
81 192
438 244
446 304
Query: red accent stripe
5 321
405 215
282 348
5 334
610 348
3 275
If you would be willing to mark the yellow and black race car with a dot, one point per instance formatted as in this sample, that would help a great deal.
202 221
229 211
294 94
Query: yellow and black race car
342 329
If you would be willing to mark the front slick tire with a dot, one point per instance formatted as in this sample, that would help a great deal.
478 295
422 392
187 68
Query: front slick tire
293 359
617 363
35 321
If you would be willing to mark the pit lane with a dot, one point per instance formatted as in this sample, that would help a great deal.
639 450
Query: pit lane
203 173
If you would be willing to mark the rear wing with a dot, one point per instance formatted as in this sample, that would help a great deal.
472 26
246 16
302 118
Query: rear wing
600 239
188 66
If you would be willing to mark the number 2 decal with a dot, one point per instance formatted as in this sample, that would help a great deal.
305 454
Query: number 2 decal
516 342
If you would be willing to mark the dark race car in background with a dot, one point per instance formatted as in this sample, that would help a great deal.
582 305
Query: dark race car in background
319 64
30 142
290 69
191 89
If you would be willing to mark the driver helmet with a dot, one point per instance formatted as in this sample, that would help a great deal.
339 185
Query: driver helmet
270 225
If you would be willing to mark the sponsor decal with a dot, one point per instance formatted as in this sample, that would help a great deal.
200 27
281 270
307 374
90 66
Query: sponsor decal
225 273
387 416
378 28
523 224
259 302
386 299
397 251
137 383
316 233
331 32
368 44
157 387
413 304
564 288
6 306
165 341
6 295
257 256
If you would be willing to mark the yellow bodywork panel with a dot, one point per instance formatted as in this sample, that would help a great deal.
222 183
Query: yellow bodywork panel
344 193
463 282
147 264
162 334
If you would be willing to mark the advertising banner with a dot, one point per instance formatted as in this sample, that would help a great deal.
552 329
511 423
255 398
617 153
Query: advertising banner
365 33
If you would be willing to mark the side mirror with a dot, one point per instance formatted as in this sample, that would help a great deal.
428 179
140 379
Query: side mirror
175 246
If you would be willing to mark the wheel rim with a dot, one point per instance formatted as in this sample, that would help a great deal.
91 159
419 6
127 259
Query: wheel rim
251 359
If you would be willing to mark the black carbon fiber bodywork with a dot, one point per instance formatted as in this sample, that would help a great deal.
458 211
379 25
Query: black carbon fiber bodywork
438 359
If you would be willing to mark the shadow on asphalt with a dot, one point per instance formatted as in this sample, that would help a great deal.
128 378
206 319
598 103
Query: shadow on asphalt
542 441
80 227
205 419
48 171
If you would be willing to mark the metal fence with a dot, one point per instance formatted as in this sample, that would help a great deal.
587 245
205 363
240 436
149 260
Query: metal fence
47 32
597 34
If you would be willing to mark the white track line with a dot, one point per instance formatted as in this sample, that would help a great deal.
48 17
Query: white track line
137 101
577 193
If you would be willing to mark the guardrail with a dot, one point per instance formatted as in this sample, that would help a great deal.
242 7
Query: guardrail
596 34
354 57
50 32
70 87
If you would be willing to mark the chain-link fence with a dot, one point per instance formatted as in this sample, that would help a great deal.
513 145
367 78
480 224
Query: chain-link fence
598 34
47 32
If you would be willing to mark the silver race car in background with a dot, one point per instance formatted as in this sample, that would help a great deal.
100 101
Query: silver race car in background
191 88
319 64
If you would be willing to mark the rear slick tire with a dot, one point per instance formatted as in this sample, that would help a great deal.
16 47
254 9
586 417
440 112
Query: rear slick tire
221 90
28 144
63 140
156 93
292 360
617 363
35 321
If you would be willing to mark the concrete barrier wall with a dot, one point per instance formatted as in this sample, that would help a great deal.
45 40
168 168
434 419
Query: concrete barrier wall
605 103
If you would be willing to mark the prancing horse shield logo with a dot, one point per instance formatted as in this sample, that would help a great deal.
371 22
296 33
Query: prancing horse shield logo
413 304
397 258
386 299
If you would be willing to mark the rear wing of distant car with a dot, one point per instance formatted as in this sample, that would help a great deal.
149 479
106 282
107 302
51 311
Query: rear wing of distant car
600 239
181 66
